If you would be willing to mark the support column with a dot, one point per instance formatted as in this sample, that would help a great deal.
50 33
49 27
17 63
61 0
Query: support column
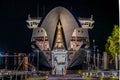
105 60
116 61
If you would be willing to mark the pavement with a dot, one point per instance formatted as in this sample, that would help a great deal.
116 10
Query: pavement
67 77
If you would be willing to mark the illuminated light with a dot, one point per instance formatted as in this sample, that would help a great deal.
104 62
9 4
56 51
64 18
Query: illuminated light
57 41
59 36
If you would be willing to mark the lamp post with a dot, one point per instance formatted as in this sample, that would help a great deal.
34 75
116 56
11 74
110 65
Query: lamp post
94 56
88 58
98 58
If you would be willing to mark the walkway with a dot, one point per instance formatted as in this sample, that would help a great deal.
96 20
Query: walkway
68 77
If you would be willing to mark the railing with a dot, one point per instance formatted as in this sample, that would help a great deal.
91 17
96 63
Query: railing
105 74
25 74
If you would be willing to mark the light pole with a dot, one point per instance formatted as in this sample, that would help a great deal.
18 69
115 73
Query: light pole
88 58
98 58
94 56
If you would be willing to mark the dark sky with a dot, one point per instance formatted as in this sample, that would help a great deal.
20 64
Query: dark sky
15 36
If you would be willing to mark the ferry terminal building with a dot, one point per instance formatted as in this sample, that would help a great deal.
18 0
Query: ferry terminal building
61 39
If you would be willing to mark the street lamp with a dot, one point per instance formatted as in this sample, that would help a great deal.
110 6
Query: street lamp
94 56
98 58
88 58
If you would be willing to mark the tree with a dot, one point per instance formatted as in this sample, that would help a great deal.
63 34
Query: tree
112 46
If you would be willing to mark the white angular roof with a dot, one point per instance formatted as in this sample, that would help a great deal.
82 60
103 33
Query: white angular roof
68 23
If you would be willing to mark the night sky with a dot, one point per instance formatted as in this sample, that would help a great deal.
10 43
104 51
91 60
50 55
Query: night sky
16 37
